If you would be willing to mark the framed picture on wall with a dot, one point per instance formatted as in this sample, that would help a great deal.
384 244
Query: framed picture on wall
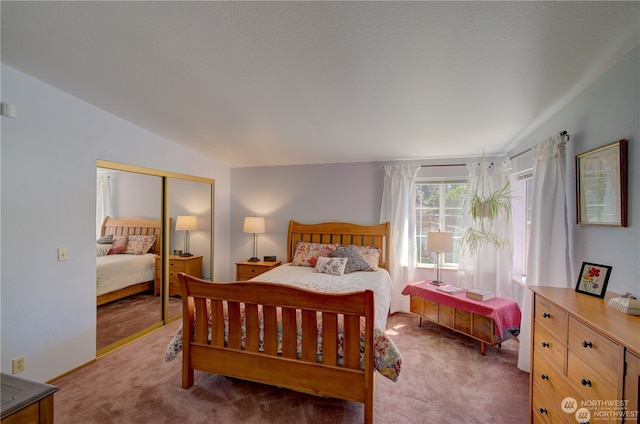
601 185
593 279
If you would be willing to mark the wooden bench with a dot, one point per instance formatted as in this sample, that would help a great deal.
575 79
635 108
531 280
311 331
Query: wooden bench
490 322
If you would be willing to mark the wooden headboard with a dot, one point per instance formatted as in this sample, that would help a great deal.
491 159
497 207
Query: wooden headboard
345 233
134 226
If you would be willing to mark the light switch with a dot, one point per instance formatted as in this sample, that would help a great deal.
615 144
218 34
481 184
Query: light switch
63 254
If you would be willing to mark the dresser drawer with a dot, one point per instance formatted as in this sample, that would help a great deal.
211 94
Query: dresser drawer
589 383
547 345
551 317
551 381
594 348
545 411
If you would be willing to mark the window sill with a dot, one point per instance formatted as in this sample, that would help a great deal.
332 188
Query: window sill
520 280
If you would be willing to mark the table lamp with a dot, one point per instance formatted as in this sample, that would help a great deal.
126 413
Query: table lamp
439 242
186 223
254 225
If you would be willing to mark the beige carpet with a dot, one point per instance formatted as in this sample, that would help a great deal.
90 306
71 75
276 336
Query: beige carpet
444 379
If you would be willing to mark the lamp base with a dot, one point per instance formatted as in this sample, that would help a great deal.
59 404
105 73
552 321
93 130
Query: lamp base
186 255
254 259
437 283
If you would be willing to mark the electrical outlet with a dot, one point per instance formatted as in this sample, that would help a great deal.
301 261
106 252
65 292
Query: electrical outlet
63 254
18 365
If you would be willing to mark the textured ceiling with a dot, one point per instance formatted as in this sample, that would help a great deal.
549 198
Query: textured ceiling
276 83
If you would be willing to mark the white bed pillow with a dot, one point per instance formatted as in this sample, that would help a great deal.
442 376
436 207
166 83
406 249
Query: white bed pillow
102 249
333 266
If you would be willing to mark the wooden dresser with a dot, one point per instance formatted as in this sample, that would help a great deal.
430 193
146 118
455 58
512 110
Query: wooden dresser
585 359
191 265
246 270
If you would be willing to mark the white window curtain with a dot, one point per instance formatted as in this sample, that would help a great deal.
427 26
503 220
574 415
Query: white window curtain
103 201
548 260
489 268
399 208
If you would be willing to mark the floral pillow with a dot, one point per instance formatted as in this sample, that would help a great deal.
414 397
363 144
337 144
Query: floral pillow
102 249
333 266
119 245
356 261
139 245
307 251
324 253
371 255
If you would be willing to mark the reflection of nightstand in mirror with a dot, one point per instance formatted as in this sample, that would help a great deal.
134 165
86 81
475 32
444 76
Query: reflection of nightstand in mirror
191 265
246 270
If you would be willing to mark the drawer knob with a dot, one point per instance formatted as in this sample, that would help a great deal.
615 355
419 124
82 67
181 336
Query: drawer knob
545 344
543 411
585 382
546 315
587 344
544 376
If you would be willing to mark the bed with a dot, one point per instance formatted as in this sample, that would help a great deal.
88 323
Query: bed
279 329
124 274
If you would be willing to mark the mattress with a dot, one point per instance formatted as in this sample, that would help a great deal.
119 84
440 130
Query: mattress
114 272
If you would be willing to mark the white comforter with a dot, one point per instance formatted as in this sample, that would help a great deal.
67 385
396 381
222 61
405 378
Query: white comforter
304 277
114 272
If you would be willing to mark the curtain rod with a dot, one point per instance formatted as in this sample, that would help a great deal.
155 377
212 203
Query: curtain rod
562 134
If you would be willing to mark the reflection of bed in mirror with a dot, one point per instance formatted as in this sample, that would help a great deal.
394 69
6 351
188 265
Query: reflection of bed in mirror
126 267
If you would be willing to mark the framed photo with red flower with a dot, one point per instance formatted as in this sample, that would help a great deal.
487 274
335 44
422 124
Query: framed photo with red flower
593 279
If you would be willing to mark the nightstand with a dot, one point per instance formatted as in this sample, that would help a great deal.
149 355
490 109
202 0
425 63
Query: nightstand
191 265
246 270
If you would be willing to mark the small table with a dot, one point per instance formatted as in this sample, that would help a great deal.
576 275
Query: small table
490 321
25 401
246 270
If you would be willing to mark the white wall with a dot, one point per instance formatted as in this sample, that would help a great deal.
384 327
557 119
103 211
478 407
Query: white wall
607 111
48 174
347 192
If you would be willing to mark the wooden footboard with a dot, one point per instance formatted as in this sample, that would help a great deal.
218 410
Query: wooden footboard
304 371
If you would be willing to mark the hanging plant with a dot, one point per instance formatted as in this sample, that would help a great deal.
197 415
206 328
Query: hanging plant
484 209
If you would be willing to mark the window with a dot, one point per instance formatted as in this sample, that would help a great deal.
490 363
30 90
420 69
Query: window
439 207
522 186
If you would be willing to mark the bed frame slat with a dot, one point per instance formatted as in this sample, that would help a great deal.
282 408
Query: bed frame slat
289 333
269 314
329 338
252 343
235 325
309 335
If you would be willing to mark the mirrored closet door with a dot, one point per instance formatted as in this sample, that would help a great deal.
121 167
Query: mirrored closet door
150 225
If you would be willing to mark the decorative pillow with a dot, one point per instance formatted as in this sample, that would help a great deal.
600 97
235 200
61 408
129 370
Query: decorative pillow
102 249
371 255
119 245
356 261
139 245
305 251
333 266
324 253
108 239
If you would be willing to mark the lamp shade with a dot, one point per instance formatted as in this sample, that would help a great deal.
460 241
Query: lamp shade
254 225
439 241
187 223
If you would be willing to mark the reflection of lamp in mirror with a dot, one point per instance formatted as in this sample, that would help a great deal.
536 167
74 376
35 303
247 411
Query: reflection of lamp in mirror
186 223
254 225
439 242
